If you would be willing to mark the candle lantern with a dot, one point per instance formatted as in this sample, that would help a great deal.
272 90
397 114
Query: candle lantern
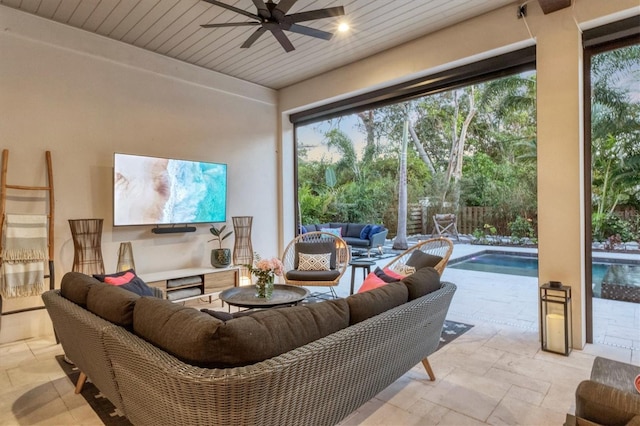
555 317
125 257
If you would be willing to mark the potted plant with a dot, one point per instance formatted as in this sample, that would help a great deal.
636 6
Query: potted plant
220 257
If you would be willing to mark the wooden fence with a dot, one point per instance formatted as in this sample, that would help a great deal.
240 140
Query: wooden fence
627 213
420 219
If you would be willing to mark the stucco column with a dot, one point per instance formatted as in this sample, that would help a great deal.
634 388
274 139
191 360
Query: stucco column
561 159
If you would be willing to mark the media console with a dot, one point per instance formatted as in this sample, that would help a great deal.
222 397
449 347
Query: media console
191 283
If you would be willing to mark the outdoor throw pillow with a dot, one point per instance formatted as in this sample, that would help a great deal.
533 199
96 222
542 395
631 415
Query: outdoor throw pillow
387 276
335 231
314 262
364 234
403 269
127 280
419 259
375 229
372 281
378 278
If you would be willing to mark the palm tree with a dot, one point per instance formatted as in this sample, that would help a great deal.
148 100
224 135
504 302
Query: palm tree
400 242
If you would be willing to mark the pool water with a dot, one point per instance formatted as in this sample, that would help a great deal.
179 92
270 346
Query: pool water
618 274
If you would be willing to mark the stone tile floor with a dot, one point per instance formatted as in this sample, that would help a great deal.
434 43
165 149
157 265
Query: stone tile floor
494 374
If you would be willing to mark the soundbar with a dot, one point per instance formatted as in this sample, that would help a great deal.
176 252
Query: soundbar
173 229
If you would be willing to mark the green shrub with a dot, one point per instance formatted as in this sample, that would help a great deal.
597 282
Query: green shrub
609 224
521 228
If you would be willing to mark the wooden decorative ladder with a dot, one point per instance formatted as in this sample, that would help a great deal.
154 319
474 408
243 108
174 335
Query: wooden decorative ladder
50 216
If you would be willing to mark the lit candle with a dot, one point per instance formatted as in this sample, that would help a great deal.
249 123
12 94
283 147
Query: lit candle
245 281
555 333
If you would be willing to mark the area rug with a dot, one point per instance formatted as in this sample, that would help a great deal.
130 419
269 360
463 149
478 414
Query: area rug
451 330
107 412
111 416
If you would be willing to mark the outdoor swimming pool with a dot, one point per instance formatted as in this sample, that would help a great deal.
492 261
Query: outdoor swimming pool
615 278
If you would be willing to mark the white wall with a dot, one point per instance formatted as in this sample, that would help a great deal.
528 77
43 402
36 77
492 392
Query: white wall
560 134
84 97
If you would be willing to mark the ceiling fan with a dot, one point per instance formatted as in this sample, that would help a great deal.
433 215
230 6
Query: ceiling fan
273 17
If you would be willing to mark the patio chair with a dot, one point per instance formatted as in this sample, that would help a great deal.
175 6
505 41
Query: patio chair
445 224
316 259
440 247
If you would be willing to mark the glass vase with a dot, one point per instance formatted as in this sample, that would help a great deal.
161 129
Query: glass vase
264 287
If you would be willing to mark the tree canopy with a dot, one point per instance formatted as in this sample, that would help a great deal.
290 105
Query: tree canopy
469 146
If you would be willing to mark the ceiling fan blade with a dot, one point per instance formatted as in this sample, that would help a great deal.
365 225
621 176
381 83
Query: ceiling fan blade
283 6
230 24
308 31
263 10
234 9
253 37
314 14
283 39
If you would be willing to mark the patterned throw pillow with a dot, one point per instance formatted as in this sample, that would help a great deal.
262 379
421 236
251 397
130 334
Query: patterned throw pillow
314 262
403 269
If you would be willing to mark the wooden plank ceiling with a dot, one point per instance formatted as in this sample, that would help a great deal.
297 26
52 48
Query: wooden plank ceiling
172 28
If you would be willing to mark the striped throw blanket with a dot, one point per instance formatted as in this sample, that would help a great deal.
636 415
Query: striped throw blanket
24 255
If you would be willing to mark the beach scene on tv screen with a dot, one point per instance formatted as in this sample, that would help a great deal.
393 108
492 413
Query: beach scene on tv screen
151 191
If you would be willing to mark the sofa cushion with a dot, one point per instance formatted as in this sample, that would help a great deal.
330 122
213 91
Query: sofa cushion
421 282
297 275
370 303
75 287
184 332
354 230
226 316
356 242
221 315
202 340
271 332
420 259
112 303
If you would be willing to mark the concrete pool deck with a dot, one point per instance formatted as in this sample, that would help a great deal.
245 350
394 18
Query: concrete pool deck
512 300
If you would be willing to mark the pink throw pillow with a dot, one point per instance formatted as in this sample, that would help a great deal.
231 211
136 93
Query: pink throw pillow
122 279
372 281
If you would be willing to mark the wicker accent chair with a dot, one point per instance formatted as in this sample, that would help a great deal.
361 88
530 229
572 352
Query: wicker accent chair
316 242
442 247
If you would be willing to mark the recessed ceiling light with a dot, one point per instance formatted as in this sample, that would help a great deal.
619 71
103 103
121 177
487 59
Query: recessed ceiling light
343 27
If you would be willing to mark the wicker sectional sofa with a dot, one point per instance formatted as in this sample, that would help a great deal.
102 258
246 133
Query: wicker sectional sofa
163 363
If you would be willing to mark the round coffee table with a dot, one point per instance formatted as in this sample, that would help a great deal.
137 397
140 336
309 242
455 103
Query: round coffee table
245 296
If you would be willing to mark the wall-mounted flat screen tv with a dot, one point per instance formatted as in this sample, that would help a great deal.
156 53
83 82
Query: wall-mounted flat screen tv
156 191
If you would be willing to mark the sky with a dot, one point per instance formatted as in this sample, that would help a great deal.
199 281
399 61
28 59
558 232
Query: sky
311 136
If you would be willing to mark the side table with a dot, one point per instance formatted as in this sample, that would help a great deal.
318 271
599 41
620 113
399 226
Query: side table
365 265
